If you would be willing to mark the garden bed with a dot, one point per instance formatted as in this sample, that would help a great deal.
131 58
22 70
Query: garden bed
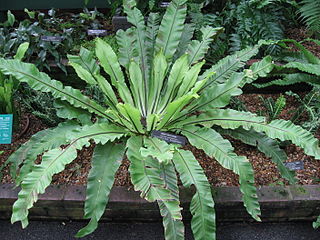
266 172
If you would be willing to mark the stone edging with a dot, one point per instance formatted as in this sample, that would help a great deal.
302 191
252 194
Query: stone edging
66 203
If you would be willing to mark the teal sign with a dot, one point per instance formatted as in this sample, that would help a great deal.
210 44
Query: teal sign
6 121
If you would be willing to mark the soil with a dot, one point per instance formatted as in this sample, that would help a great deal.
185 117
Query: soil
300 34
266 172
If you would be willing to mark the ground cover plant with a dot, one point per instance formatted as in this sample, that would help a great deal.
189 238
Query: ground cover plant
151 88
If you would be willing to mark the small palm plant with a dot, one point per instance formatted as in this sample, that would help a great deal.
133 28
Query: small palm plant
152 92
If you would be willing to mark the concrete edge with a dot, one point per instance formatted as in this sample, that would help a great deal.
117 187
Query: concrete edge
65 202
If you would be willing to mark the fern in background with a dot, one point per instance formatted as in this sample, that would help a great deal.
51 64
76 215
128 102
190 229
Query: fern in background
245 23
309 105
310 14
273 108
255 20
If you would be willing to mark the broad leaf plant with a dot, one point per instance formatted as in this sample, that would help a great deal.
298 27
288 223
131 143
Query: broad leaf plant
148 86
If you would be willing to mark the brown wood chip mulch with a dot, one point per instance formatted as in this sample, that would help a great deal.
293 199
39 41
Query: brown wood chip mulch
266 172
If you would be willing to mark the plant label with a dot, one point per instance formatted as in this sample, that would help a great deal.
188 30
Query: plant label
6 122
164 4
298 165
169 137
92 32
51 38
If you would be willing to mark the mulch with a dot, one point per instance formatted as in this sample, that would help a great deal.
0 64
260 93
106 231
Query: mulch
266 172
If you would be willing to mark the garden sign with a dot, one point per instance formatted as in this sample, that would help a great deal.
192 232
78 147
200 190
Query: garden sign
6 121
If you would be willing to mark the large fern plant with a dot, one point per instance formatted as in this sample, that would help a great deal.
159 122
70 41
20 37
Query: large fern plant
310 14
151 88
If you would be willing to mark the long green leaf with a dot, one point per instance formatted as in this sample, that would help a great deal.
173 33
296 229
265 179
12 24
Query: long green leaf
171 28
202 206
28 73
230 64
53 162
151 34
266 145
281 129
135 17
177 73
305 67
85 65
106 161
133 115
67 111
190 78
218 95
173 229
158 149
21 51
221 149
137 87
156 81
186 36
127 49
198 49
109 61
288 79
42 141
38 180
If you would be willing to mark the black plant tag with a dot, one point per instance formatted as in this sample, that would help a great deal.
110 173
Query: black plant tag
93 32
169 137
298 165
51 38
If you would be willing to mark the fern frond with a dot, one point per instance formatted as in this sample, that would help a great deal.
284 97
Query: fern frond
202 205
171 28
266 145
146 177
221 149
310 13
173 229
26 72
105 162
281 129
42 141
229 65
54 161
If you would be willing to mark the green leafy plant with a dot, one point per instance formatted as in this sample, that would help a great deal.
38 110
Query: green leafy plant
245 23
8 87
40 104
273 108
156 90
310 105
310 14
70 28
